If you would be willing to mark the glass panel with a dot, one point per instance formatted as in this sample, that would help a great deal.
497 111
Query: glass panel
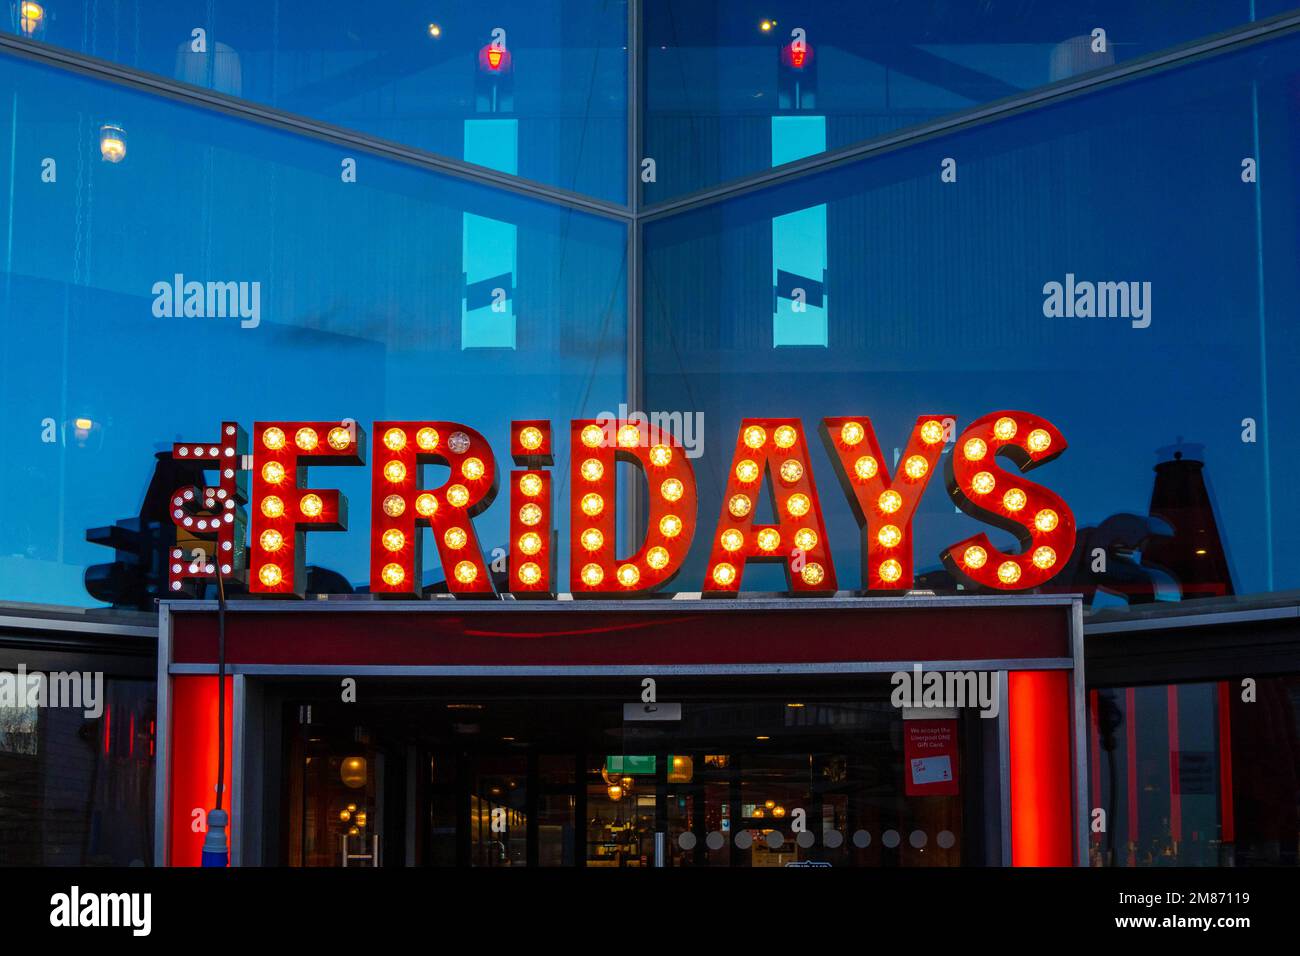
1196 774
546 97
948 298
363 300
723 79
76 782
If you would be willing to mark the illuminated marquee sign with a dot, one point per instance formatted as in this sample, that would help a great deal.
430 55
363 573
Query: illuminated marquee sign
771 461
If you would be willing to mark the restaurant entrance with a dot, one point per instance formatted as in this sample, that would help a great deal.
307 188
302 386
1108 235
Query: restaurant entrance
733 772
671 733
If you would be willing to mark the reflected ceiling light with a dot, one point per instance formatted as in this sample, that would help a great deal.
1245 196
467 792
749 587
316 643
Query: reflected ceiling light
766 25
112 143
435 31
31 17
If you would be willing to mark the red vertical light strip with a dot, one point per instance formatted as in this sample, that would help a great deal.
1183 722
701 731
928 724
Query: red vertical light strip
1039 737
193 768
1175 795
1094 759
130 744
1227 822
1131 760
108 724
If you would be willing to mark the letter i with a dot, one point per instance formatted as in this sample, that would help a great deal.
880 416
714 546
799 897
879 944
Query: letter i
532 535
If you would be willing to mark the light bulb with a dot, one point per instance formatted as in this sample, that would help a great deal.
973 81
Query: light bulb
852 433
395 439
306 439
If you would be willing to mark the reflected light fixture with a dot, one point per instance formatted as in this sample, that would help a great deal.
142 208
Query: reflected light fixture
435 31
112 143
31 17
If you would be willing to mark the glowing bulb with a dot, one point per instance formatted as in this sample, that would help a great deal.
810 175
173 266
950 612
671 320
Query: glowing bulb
865 467
915 467
592 504
889 536
472 469
747 471
592 470
1046 520
306 439
671 489
426 505
769 539
271 540
530 542
530 514
458 496
1004 428
394 471
755 436
660 455
629 436
455 538
270 575
732 540
798 505
982 483
592 575
531 438
435 31
427 438
530 485
1014 499
932 432
273 438
791 471
393 575
339 438
890 571
889 501
670 526
1039 440
593 436
975 557
813 573
272 506
466 572
724 574
805 539
592 539
766 25
1044 557
975 449
1008 572
394 505
785 436
657 558
273 472
529 573
628 575
739 505
395 439
852 433
394 540
311 505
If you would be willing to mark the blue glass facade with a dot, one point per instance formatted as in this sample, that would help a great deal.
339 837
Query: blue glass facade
524 211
